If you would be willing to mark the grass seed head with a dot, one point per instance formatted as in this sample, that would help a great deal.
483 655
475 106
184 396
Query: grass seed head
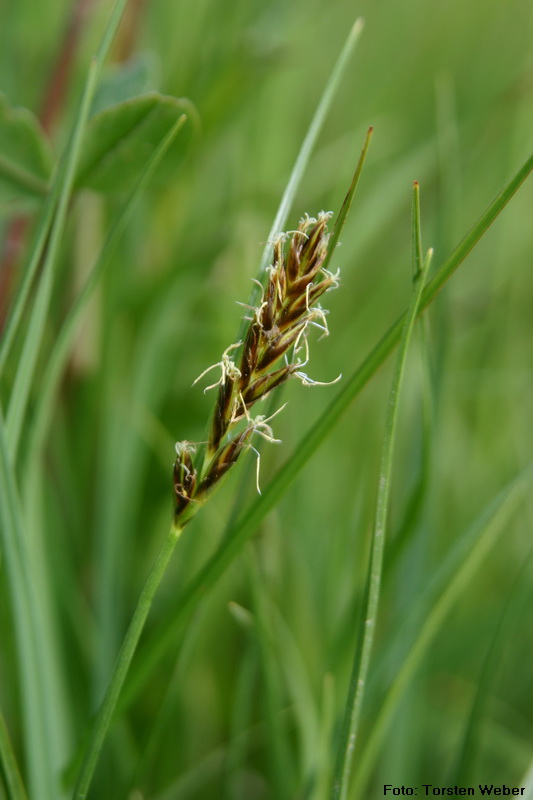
277 332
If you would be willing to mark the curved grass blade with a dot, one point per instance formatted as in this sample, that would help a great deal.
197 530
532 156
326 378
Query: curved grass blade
162 719
64 339
417 256
318 432
39 712
24 374
243 529
65 180
8 765
40 683
105 714
305 151
461 565
61 183
347 204
62 345
368 622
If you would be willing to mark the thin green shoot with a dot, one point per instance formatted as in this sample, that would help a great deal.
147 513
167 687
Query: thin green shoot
38 712
479 539
21 388
54 209
304 154
361 663
67 332
416 234
345 208
42 720
246 527
105 714
66 175
163 717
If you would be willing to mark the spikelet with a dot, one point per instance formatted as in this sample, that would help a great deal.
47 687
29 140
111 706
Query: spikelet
274 349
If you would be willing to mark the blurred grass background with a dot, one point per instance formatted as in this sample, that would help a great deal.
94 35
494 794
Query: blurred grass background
247 707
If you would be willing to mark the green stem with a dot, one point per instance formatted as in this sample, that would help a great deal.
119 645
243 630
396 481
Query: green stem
21 388
61 186
314 437
416 233
304 153
363 650
345 208
105 714
60 349
247 525
457 573
37 709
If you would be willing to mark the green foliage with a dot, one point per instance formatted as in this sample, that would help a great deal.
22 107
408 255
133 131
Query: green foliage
365 633
25 155
125 81
122 137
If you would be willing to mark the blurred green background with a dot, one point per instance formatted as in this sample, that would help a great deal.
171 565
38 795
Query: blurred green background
247 707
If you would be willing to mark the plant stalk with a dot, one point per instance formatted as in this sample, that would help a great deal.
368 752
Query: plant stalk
105 714
248 522
371 600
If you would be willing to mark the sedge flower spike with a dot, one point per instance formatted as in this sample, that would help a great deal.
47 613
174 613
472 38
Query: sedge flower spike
275 348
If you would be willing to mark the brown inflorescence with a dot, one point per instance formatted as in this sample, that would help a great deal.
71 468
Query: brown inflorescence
270 354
